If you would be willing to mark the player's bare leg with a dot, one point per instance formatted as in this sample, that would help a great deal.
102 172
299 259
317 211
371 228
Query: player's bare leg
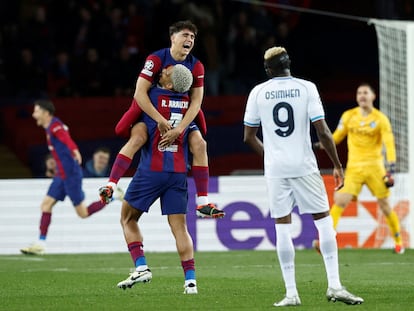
200 170
185 250
123 160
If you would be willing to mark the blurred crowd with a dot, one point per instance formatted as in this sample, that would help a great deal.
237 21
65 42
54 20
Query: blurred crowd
96 47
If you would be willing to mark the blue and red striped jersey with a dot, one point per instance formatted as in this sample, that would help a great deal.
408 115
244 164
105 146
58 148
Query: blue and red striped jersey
157 61
174 158
61 146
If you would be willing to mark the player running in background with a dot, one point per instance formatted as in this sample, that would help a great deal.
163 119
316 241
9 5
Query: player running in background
283 106
162 173
67 180
182 35
368 130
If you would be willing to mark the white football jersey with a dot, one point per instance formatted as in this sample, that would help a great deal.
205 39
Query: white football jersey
285 107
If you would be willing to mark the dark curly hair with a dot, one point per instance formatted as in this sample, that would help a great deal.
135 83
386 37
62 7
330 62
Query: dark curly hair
178 26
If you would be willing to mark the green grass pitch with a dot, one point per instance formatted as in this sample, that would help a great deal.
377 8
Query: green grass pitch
233 280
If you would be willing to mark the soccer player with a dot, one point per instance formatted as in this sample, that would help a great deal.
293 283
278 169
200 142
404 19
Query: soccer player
67 180
285 106
162 173
368 130
182 35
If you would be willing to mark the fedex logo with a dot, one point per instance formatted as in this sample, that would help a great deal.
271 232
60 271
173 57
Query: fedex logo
248 225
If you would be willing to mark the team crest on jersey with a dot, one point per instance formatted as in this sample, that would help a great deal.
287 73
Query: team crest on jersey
373 124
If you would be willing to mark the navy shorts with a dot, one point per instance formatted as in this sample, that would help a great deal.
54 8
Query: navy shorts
71 186
193 127
147 186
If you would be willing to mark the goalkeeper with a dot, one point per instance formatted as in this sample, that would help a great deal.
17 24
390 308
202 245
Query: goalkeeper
368 130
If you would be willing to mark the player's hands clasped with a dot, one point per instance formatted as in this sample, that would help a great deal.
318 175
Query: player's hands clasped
164 126
169 137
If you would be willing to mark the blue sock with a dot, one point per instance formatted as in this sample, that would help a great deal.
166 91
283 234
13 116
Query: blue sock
190 275
141 261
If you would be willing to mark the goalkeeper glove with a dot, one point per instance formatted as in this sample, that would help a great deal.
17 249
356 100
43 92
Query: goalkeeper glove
388 178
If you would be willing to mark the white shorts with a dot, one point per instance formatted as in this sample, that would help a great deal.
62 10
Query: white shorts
307 192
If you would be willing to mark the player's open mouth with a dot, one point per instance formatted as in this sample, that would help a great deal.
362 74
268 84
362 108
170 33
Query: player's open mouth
187 45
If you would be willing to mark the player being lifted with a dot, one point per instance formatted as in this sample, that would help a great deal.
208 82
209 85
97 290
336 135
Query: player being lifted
162 173
182 35
368 130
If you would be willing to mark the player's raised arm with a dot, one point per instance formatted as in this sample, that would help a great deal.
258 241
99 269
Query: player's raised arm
143 100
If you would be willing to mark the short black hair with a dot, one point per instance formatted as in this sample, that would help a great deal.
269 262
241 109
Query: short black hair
46 105
180 25
278 63
103 149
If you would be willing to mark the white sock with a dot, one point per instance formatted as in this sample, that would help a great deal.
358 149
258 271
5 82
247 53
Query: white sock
329 250
286 255
202 200
141 268
186 282
112 184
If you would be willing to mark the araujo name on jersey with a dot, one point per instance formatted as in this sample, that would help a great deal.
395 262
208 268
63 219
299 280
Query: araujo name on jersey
291 93
182 104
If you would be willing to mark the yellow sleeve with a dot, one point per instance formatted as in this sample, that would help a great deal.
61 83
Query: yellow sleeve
388 139
341 130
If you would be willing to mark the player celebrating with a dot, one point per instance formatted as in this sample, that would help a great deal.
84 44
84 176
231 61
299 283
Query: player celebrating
68 175
283 106
368 130
182 35
162 173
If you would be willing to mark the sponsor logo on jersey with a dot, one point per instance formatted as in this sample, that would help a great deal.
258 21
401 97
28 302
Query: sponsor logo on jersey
170 148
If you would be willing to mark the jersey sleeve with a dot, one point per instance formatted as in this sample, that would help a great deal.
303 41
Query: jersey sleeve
251 115
198 75
316 111
152 68
59 131
341 130
388 139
